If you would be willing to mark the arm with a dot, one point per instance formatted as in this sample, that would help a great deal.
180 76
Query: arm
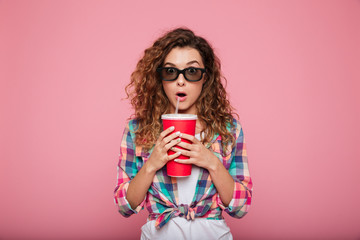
222 180
238 169
133 184
139 185
202 157
127 169
234 184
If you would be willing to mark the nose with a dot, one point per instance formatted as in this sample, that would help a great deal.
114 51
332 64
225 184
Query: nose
180 80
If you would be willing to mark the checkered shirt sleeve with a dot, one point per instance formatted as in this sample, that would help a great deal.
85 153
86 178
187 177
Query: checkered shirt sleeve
237 166
127 169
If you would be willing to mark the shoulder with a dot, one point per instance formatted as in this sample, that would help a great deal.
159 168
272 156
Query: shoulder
131 125
130 128
234 127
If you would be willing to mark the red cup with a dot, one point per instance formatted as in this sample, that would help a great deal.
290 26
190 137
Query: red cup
185 123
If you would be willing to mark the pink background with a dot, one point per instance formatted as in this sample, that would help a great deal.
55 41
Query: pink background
293 70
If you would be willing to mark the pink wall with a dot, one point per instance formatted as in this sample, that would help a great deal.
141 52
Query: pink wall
293 70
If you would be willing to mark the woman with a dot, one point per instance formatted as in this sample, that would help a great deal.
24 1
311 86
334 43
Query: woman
181 65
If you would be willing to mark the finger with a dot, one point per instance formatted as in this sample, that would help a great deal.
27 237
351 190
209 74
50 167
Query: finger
183 161
171 137
171 144
172 156
166 132
191 138
185 145
182 151
175 149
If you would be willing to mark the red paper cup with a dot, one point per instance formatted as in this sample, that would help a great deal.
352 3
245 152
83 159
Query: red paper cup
185 123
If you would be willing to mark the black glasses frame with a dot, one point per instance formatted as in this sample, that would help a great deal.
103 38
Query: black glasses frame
178 71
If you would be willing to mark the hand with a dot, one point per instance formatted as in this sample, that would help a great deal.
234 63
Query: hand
159 156
198 154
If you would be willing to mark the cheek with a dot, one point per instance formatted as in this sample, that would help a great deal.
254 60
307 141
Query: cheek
199 89
167 88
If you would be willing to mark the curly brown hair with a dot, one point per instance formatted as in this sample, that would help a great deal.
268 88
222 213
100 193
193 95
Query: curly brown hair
150 101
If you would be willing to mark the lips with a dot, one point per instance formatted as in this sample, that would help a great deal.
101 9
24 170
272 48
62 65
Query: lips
181 96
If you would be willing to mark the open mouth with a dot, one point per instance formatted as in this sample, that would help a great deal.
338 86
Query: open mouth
181 95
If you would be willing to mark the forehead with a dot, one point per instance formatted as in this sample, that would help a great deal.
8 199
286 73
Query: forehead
183 55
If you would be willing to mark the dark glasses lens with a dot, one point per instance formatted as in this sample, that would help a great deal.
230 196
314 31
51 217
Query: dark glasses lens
191 74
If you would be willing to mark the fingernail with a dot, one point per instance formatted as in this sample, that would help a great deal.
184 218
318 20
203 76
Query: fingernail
176 160
178 133
178 140
178 153
172 128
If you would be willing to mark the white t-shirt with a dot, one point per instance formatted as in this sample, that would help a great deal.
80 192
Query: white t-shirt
179 227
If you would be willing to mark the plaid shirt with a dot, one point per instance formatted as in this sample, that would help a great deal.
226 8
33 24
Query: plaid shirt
162 197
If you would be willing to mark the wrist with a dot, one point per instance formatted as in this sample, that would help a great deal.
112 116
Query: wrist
215 165
149 169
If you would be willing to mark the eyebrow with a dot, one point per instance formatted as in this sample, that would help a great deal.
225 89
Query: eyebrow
189 63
